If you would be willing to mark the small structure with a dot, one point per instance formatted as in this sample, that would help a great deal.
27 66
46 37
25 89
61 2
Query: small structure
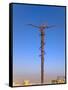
26 83
59 80
16 84
54 81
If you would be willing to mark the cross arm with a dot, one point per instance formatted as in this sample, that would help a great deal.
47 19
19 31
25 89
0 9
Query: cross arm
33 25
50 26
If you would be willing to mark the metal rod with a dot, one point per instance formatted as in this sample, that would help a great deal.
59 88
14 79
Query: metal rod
42 56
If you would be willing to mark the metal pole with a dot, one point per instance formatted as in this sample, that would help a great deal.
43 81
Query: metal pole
42 56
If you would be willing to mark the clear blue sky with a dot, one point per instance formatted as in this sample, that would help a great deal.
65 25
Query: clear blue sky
26 41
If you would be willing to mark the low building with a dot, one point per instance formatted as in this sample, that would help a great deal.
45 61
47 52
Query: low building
16 84
26 83
59 80
54 81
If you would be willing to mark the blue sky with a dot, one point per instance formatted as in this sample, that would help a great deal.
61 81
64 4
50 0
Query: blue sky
26 41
